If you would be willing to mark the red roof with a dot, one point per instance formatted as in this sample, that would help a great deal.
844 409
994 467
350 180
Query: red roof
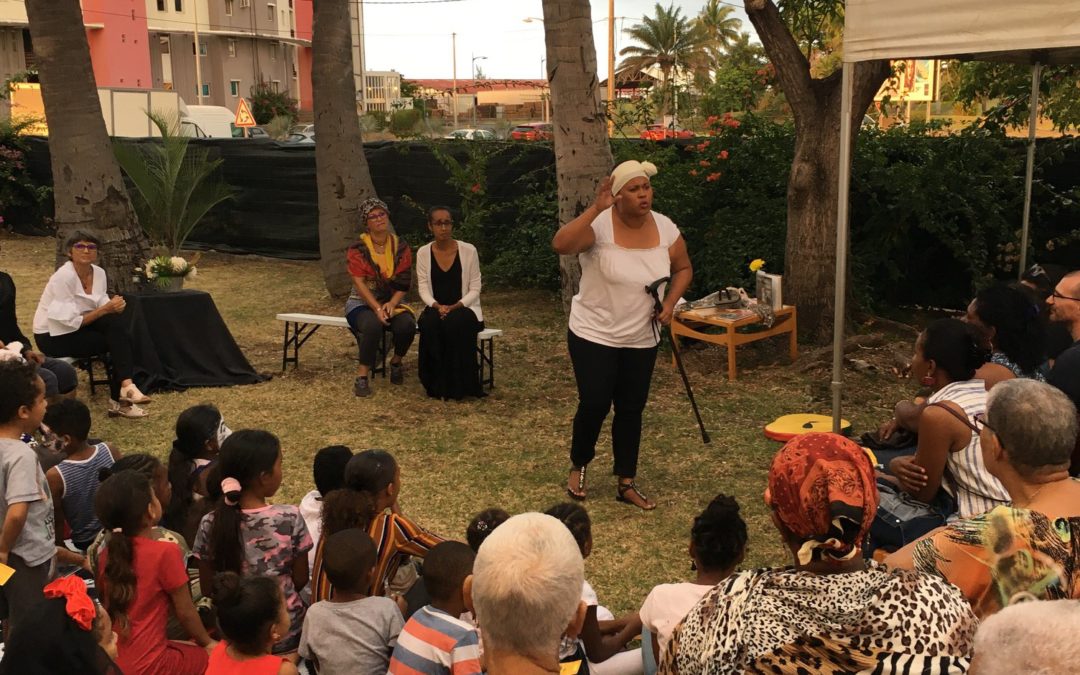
465 86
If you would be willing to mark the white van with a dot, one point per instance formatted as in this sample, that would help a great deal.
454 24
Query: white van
214 120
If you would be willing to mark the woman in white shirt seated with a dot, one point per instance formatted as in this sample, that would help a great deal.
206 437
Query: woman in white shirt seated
448 278
75 317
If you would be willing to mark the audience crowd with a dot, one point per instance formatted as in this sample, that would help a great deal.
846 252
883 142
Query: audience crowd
124 564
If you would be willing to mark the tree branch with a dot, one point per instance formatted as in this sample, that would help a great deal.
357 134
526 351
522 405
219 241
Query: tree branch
792 68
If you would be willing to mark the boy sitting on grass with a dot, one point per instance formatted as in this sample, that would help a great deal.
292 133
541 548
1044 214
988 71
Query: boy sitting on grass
436 641
351 633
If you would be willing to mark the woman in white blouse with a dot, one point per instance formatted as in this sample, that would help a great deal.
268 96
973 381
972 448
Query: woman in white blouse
448 278
75 317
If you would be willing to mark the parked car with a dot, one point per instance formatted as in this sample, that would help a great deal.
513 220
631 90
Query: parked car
534 131
191 129
215 121
302 129
659 132
301 137
257 132
471 135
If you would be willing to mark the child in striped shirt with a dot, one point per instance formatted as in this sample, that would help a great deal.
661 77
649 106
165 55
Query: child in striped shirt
435 641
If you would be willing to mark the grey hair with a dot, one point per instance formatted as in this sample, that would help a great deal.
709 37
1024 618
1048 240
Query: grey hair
1034 421
80 235
1029 638
527 582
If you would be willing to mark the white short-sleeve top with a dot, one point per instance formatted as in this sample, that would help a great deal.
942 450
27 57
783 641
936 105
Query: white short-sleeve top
63 302
612 307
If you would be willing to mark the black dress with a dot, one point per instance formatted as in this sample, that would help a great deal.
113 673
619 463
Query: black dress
448 367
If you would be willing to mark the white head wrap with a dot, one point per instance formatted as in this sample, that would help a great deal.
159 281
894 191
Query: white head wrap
629 170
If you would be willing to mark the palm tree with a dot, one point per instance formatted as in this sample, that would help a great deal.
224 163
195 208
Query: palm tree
174 183
88 189
582 150
668 42
342 173
721 29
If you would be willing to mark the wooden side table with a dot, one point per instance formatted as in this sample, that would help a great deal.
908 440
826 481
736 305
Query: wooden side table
685 324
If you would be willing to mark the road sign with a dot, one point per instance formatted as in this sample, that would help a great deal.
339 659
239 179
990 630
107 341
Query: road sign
244 118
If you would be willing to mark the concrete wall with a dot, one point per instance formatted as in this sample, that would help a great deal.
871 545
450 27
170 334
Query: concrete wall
118 50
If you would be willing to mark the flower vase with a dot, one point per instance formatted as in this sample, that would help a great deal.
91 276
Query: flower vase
173 285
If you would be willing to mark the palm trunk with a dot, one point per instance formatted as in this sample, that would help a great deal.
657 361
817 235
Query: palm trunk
342 175
88 189
582 149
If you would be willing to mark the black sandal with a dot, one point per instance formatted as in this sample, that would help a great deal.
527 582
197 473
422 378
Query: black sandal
626 487
580 495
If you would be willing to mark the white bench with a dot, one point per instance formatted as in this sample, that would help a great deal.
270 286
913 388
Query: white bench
300 327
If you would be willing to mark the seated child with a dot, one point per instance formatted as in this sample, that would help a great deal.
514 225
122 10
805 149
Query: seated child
329 469
141 579
66 633
252 616
717 546
200 431
26 511
74 481
435 641
351 633
482 525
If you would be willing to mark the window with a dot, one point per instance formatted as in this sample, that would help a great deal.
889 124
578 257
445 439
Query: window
202 48
232 48
161 5
273 51
179 5
271 11
164 44
275 86
206 89
234 88
228 7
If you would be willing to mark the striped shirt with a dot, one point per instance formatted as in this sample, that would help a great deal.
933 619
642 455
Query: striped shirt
975 489
435 643
80 480
396 538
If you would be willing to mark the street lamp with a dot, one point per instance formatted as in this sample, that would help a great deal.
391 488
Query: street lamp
476 90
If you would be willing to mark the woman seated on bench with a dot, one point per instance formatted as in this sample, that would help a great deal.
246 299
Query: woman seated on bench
380 265
448 275
76 318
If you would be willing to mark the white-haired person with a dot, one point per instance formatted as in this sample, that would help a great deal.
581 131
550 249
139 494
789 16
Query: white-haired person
525 592
1029 547
624 247
1031 638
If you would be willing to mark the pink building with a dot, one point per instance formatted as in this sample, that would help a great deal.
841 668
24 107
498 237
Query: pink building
119 49
304 19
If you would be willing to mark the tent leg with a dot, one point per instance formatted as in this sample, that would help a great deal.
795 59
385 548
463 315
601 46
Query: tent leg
1036 76
840 302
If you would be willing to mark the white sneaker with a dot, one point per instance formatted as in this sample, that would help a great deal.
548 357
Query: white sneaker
129 410
131 394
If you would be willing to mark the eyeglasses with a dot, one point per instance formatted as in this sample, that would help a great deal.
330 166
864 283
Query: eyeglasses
1059 296
85 247
442 223
980 422
377 215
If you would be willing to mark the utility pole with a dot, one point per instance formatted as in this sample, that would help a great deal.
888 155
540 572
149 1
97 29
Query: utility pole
611 67
198 56
362 91
453 98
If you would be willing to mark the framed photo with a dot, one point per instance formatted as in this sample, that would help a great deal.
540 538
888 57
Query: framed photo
769 290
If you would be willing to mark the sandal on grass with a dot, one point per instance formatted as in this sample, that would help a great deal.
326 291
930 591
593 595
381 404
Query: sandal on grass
580 494
630 494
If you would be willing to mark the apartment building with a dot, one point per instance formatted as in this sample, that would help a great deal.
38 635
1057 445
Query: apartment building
151 44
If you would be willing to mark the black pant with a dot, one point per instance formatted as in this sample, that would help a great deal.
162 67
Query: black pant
606 375
364 321
447 360
106 335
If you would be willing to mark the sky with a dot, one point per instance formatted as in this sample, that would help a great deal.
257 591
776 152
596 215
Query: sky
415 39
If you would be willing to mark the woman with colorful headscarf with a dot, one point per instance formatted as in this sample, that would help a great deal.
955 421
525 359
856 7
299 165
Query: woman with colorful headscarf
624 248
832 611
380 265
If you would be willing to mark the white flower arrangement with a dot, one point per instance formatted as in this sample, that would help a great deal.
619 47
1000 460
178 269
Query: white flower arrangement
163 268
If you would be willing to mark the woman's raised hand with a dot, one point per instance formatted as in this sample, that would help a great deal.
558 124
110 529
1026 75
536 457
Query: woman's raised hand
604 198
116 304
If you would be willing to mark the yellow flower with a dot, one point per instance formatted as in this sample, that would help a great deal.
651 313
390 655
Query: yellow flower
756 264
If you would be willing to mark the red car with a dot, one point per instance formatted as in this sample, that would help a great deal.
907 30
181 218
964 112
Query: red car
534 131
659 132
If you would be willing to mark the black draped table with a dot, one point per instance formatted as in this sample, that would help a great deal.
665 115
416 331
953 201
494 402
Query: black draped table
179 340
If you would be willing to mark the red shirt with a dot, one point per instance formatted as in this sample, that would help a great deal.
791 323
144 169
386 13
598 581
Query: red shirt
223 664
159 569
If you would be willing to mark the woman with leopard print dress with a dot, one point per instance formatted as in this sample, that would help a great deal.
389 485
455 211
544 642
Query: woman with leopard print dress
831 612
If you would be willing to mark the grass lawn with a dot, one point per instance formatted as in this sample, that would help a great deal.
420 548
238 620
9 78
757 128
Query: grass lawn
508 450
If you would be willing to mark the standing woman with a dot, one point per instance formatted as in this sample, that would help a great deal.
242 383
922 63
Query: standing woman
380 265
448 276
75 317
623 246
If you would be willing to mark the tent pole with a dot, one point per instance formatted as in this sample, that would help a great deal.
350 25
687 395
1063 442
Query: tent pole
1036 76
839 304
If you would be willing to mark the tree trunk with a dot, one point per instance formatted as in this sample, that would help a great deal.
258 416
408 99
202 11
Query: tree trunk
582 150
88 189
342 173
813 191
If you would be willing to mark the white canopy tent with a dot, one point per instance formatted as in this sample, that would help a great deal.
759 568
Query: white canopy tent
1033 32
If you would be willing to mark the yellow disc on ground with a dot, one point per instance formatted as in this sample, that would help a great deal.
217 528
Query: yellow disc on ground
788 427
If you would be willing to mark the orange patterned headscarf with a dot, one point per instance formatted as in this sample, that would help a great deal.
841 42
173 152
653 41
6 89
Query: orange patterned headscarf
822 488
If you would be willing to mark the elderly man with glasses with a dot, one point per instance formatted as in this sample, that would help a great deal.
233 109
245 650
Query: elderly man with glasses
1064 303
